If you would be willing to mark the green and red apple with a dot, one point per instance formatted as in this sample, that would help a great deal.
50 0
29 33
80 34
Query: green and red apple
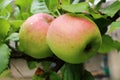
73 38
33 33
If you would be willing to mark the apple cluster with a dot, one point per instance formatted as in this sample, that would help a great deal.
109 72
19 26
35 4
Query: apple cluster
72 38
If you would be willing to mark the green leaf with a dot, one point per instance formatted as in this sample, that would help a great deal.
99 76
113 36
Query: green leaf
88 76
5 73
54 76
92 1
32 64
39 6
108 44
15 24
25 15
73 71
35 77
24 5
114 26
76 8
112 9
6 12
4 28
4 4
46 65
13 37
65 2
52 5
4 57
116 45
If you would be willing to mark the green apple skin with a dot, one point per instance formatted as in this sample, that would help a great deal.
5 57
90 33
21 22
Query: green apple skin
74 38
32 35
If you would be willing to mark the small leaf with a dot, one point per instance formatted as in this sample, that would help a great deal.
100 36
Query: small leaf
6 12
16 13
54 76
25 15
15 24
4 28
112 9
35 77
13 37
65 2
92 1
73 71
39 6
88 76
46 65
76 8
4 4
114 26
5 73
52 5
24 5
4 57
32 64
108 44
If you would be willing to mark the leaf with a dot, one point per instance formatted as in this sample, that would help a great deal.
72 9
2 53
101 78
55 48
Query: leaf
46 65
35 77
112 9
54 76
25 15
76 8
116 45
4 4
39 6
73 71
4 57
32 64
52 5
4 28
13 37
6 12
24 5
88 76
108 44
65 2
92 1
114 26
5 73
17 13
15 24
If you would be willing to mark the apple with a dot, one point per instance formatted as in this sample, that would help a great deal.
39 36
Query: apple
73 38
32 35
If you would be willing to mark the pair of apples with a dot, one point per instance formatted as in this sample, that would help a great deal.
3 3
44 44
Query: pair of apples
72 38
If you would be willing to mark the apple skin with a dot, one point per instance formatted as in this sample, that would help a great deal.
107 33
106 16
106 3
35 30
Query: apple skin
32 35
74 38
